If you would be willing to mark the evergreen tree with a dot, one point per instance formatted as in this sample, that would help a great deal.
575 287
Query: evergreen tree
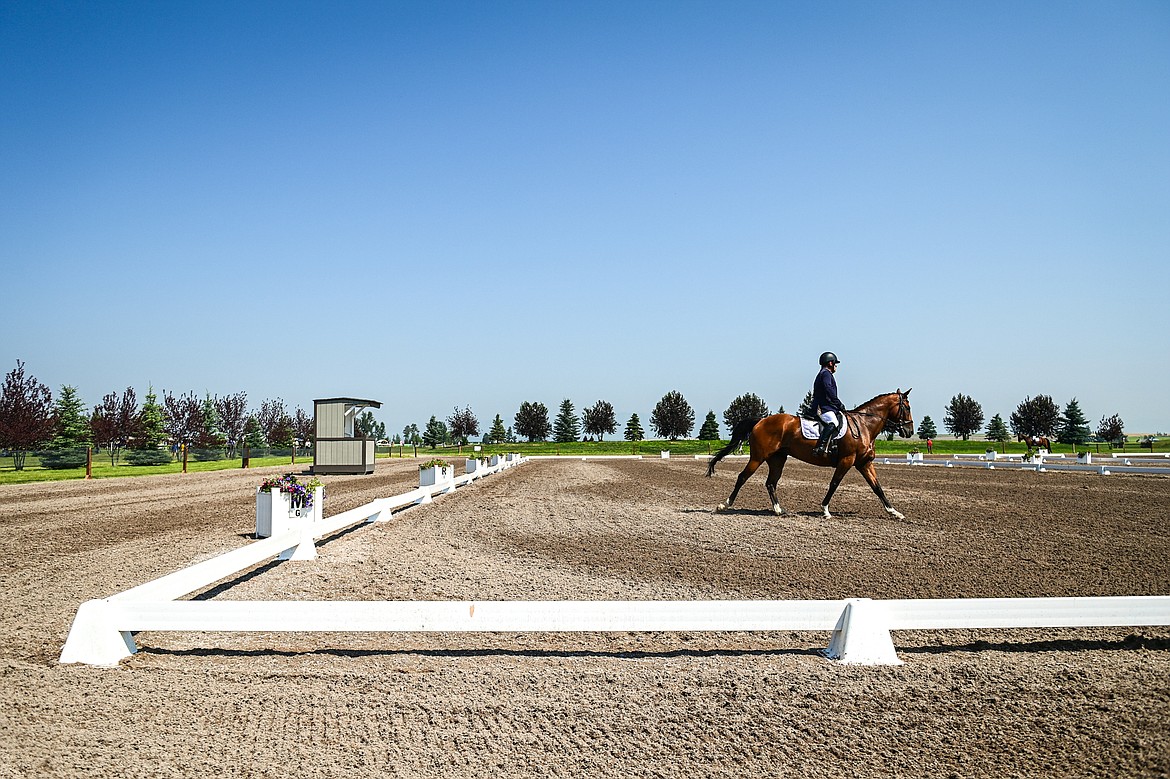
209 435
997 430
673 417
806 409
710 429
366 425
926 429
1074 427
634 429
566 427
746 406
497 435
964 416
152 433
599 419
532 421
434 434
1036 416
410 436
1112 429
71 420
253 434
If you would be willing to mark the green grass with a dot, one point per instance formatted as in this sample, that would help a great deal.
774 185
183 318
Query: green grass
688 448
103 470
898 446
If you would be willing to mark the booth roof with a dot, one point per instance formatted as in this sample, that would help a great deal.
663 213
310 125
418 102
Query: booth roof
351 402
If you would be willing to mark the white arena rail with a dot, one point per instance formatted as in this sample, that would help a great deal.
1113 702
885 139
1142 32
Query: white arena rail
297 544
860 627
102 631
584 457
1044 465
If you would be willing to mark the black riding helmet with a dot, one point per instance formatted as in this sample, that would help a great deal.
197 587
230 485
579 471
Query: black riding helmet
827 358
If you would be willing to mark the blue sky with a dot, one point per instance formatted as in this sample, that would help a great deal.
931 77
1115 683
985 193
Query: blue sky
447 204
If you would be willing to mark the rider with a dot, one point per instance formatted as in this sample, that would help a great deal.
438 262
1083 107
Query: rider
826 404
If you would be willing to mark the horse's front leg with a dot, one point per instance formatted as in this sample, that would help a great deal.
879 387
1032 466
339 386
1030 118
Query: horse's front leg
869 473
839 474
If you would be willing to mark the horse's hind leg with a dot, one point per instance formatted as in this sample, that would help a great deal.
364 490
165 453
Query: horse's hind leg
744 475
775 469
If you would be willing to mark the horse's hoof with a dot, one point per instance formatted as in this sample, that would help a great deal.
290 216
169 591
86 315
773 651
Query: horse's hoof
779 511
722 507
826 513
896 514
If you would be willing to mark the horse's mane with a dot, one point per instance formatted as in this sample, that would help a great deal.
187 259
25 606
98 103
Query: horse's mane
874 399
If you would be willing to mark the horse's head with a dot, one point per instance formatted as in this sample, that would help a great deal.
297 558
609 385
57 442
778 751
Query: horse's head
900 420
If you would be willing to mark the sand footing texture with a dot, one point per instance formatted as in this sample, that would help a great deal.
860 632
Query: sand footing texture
1072 702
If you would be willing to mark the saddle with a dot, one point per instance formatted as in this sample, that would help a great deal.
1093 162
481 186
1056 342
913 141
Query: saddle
811 429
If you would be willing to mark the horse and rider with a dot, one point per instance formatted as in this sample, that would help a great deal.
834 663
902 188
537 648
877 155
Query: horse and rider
1034 441
773 439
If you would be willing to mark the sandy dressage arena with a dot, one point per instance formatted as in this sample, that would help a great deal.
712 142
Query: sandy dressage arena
1083 702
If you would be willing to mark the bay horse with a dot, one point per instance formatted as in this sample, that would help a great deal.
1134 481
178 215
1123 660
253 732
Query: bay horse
1034 441
774 438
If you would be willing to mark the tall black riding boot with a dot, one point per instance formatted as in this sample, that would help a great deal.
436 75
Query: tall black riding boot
827 433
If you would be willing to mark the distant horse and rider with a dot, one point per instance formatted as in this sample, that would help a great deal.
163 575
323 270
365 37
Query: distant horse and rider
1034 441
775 438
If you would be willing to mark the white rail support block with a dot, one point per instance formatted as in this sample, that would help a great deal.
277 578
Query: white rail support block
94 640
862 635
306 549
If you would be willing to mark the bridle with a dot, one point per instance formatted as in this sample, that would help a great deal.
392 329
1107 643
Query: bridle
895 421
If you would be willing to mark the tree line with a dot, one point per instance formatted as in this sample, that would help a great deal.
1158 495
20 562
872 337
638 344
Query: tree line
674 418
31 420
671 418
150 433
1034 416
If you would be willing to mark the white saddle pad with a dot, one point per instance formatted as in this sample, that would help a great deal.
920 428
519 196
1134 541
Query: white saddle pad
812 430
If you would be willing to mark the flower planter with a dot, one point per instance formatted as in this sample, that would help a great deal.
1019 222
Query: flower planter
913 457
666 455
991 454
429 477
275 513
1085 459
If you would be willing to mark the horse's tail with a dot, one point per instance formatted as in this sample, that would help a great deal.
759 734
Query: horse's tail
742 430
